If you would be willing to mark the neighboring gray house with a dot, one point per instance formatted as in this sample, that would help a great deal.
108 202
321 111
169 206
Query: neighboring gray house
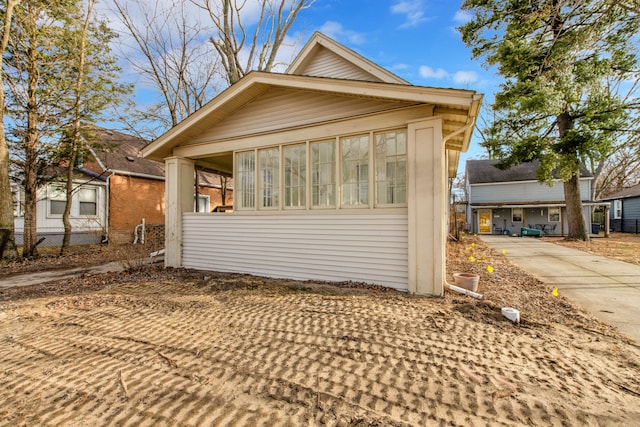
625 209
503 201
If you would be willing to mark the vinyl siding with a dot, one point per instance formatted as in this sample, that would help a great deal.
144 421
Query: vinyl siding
327 64
515 192
631 208
371 248
282 109
46 223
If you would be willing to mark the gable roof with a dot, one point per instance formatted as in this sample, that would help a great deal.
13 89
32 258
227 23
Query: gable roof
633 191
119 153
321 51
485 172
458 108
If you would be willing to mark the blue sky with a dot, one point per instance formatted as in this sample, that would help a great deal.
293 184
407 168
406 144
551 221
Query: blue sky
416 39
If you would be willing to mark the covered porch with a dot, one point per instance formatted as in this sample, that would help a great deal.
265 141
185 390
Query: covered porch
549 218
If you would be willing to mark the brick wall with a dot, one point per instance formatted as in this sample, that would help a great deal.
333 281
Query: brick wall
133 198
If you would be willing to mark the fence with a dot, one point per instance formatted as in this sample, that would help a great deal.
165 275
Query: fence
626 225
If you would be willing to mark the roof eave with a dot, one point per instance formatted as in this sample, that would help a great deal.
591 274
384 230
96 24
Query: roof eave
421 94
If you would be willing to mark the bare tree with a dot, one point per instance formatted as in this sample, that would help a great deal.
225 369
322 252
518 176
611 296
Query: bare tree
173 57
241 49
621 170
7 229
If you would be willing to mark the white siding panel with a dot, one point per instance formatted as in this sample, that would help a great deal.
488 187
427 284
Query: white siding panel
358 247
282 109
523 192
327 64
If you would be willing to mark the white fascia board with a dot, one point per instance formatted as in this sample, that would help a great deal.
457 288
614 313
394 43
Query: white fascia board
418 94
555 181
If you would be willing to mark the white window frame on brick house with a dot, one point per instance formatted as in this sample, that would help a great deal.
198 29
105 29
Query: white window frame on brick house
204 203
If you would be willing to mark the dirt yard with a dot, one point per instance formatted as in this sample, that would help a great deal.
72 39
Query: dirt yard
621 246
173 347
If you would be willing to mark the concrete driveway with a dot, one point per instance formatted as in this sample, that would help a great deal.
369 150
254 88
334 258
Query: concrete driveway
608 289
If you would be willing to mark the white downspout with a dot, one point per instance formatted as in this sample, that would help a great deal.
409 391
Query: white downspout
107 204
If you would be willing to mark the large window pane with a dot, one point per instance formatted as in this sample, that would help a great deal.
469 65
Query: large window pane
295 175
355 170
245 191
57 200
391 167
323 172
88 201
269 177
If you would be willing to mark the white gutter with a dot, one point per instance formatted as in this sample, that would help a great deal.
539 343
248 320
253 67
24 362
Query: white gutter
469 124
539 205
135 174
106 228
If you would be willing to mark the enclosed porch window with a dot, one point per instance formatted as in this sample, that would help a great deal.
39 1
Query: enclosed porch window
323 170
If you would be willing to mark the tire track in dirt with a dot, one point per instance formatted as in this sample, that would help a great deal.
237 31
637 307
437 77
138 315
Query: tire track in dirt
160 354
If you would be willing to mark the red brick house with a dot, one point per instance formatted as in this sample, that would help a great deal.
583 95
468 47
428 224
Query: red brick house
122 189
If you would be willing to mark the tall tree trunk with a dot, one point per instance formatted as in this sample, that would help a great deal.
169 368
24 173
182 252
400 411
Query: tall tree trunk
573 199
31 147
7 225
575 215
74 135
223 189
66 215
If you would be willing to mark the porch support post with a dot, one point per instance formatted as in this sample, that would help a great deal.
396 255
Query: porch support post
179 187
607 220
426 204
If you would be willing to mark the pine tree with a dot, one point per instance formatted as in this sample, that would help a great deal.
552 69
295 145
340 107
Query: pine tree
555 105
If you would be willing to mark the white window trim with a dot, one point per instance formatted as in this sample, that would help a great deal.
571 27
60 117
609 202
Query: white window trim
277 190
375 167
201 196
73 202
340 166
283 187
338 184
549 214
336 176
617 209
239 185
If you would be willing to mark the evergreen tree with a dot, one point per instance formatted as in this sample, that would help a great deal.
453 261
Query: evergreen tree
557 58
89 87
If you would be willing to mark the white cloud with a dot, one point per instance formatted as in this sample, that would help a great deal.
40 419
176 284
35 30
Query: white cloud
464 77
462 17
412 9
429 73
335 30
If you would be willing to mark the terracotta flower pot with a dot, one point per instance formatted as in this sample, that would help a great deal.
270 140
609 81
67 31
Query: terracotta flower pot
468 281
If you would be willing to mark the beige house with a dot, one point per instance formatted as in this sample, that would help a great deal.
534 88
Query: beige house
340 173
